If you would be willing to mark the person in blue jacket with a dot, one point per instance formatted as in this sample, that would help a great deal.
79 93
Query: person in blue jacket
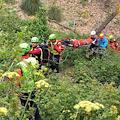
102 41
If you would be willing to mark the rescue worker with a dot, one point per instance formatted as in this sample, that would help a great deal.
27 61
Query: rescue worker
55 47
36 50
95 43
113 43
93 35
102 41
103 44
24 50
25 71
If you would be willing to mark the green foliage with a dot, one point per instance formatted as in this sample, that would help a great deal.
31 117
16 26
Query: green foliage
11 20
10 1
71 24
14 31
63 94
39 26
54 13
72 35
31 7
106 70
83 2
10 101
118 39
10 51
80 79
59 35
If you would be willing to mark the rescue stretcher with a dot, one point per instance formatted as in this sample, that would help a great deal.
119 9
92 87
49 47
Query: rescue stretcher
68 42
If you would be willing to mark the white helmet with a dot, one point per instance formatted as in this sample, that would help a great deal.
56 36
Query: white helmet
30 60
93 32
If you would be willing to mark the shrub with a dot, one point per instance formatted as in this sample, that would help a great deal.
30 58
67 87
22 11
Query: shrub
31 7
106 70
11 20
54 13
39 26
10 1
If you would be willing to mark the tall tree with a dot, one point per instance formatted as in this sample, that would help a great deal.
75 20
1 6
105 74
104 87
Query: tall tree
98 30
106 5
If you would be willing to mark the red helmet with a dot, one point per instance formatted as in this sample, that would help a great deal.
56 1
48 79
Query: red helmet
101 35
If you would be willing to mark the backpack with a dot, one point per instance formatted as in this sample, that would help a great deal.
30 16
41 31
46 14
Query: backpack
45 52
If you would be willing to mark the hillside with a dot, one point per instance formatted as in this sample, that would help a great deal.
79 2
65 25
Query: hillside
85 14
86 88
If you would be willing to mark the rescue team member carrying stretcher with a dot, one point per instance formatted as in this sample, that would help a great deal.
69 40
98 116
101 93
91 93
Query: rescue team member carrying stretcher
113 43
37 52
55 47
103 45
94 44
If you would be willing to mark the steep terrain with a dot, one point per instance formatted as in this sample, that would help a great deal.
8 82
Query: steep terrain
85 15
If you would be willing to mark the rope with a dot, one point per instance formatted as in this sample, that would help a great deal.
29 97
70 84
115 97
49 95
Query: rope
99 20
74 24
63 60
68 54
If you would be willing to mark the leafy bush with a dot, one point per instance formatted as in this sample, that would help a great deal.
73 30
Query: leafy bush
39 26
11 20
54 13
10 1
31 7
63 94
106 70
13 31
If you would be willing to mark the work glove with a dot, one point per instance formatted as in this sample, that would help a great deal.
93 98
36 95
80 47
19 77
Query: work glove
94 42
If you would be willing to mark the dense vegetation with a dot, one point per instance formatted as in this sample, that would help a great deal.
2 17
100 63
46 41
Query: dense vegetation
85 89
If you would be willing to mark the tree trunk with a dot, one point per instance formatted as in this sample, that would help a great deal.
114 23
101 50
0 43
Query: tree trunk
106 22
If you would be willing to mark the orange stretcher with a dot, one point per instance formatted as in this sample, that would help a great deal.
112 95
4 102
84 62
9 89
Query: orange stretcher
77 43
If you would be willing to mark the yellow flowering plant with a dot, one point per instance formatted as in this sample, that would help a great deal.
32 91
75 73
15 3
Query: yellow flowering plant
118 117
38 75
88 108
3 111
42 83
11 74
113 109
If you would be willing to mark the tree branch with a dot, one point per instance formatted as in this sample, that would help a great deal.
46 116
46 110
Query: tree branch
66 27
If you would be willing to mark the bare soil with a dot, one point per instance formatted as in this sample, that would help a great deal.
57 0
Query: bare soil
85 15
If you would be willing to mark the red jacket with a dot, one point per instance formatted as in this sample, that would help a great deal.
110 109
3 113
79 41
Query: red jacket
55 48
36 52
114 45
58 46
